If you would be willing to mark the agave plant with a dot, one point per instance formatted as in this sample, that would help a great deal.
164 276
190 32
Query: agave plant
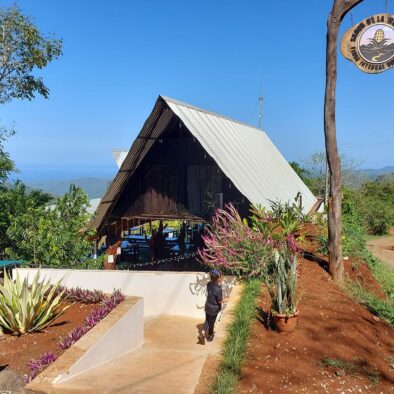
28 308
281 278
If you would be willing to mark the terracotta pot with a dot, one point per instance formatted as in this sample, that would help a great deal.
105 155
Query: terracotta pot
286 323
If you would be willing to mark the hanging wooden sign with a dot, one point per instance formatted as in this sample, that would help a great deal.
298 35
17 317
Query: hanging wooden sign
370 44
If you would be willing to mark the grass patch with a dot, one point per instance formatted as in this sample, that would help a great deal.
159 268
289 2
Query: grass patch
385 277
357 366
235 346
383 274
371 237
382 308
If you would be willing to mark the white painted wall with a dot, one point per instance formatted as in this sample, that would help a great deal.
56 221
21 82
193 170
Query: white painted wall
170 293
124 336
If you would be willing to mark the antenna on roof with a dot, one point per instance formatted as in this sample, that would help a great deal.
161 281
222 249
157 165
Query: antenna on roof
261 104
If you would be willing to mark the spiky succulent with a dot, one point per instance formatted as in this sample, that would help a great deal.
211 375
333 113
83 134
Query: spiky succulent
28 307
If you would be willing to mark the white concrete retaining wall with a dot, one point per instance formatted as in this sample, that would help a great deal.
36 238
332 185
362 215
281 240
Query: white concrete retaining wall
170 293
120 332
126 335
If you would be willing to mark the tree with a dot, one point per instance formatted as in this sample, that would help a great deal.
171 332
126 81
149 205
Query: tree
22 50
14 202
339 9
314 172
51 236
6 164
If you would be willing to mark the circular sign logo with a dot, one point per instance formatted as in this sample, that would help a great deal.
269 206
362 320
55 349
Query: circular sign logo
370 44
376 43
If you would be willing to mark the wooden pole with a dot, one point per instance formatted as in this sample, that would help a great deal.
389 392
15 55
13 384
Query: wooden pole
339 9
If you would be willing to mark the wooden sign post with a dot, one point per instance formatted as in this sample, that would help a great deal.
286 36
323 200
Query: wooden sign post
370 44
339 9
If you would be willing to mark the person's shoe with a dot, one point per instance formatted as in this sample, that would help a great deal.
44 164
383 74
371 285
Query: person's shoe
210 338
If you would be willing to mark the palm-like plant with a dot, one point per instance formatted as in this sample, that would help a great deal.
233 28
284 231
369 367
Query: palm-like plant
28 308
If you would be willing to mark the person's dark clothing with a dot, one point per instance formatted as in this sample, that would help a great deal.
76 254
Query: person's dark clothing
209 323
214 299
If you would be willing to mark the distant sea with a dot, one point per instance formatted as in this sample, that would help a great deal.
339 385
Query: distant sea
46 173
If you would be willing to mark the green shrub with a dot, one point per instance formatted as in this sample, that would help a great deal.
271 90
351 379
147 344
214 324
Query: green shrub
383 274
353 230
374 203
28 308
288 215
377 216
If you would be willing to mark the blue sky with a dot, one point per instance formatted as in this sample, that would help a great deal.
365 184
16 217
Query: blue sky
120 55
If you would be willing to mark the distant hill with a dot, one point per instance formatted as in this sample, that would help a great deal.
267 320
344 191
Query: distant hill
93 187
374 173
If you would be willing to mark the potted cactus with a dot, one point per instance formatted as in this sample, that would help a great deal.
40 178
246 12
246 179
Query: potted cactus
281 281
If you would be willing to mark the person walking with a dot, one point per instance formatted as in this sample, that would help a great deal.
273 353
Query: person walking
213 306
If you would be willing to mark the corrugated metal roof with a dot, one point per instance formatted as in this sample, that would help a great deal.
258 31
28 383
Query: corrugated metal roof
244 153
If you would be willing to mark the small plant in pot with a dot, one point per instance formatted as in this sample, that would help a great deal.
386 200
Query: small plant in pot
281 281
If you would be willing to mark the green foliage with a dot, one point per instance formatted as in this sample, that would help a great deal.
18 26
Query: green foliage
353 231
15 201
6 164
288 215
23 50
383 274
323 241
28 308
235 346
374 203
382 308
303 173
281 280
261 220
51 237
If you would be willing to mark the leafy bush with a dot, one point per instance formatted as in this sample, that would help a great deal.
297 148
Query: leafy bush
25 308
377 216
289 216
374 203
353 230
51 237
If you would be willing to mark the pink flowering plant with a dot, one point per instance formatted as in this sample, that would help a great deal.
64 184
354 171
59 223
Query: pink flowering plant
234 247
255 250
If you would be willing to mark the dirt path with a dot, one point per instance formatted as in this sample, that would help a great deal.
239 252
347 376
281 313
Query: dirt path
383 248
331 325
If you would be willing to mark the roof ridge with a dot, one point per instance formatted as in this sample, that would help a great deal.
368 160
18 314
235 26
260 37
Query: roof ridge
191 106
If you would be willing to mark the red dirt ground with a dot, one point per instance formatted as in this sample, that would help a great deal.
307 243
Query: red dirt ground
16 352
330 325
